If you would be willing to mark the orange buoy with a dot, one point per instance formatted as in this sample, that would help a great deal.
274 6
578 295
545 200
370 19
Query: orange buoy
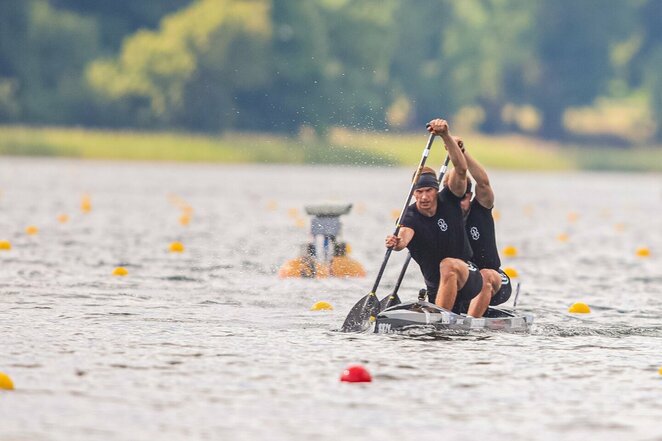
345 266
303 267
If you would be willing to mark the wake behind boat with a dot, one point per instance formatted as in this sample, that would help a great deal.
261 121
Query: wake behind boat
409 315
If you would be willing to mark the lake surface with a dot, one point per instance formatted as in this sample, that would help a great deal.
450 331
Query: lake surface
211 344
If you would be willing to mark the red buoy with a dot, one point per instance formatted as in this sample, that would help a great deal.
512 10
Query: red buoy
356 374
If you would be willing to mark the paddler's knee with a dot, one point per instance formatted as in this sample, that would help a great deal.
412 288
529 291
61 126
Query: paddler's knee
492 278
450 265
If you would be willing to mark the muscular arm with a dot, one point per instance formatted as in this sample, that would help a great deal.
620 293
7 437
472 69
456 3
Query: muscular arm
484 192
405 235
457 183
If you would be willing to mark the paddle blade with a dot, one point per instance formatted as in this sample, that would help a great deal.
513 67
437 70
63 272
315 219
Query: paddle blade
388 301
362 314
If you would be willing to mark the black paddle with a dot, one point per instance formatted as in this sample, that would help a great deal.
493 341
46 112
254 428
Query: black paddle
393 298
366 309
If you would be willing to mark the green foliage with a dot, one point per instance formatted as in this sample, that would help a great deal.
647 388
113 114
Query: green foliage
284 65
190 67
118 18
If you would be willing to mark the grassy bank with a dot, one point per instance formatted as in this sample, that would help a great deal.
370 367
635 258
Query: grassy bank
342 147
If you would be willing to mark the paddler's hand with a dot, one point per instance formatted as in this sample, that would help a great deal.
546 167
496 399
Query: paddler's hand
438 126
392 241
459 142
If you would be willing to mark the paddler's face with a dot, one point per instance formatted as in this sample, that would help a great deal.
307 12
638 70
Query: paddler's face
465 204
425 197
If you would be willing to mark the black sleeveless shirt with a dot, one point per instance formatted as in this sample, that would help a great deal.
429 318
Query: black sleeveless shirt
437 237
482 238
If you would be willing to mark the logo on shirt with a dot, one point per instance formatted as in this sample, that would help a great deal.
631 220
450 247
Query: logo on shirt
475 234
504 279
443 226
472 267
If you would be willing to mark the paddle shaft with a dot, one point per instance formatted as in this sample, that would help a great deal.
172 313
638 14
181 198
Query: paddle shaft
424 158
442 172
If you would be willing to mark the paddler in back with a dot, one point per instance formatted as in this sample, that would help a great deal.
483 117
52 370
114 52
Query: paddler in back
479 225
433 231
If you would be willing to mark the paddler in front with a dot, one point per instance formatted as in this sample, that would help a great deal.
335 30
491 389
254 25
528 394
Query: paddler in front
479 225
433 231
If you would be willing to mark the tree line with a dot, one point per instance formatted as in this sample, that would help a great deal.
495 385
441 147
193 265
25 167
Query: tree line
278 65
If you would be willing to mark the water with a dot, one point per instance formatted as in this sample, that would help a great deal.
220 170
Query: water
210 344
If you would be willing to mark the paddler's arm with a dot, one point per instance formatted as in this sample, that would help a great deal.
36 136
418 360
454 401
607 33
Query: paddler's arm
400 241
457 182
484 192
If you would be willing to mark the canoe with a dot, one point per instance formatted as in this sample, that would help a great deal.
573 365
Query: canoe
410 315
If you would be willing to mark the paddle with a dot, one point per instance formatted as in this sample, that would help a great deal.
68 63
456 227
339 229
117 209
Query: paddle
367 308
393 298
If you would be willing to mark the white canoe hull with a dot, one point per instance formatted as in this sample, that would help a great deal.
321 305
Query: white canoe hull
424 314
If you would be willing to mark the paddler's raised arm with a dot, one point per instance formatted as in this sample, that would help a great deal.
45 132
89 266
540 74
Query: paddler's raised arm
400 241
458 180
484 192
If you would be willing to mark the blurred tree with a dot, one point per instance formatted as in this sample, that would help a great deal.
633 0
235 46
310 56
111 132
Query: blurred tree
43 55
187 73
120 18
572 43
14 19
487 46
418 71
328 66
647 62
296 84
360 52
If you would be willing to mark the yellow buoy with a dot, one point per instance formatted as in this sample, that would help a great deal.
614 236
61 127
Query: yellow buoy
176 247
509 251
660 370
86 203
643 252
511 272
348 248
299 222
5 382
395 214
572 217
31 230
321 306
496 215
345 266
563 237
120 271
579 308
5 245
185 219
293 212
63 218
